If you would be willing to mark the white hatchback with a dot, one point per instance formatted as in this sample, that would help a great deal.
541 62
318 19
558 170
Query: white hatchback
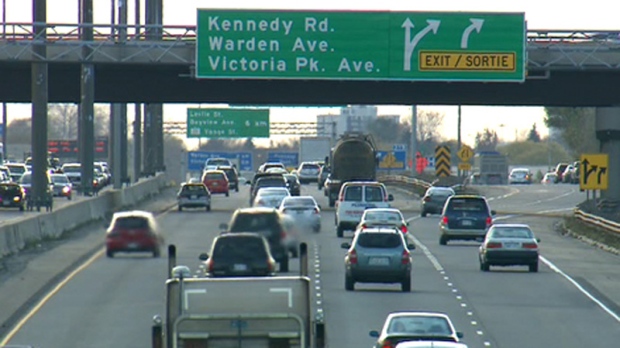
270 197
354 198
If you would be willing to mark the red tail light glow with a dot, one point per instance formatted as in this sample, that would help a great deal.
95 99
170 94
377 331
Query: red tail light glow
364 226
316 210
405 258
283 234
444 220
341 197
271 265
530 246
404 229
387 344
489 221
353 257
494 245
210 265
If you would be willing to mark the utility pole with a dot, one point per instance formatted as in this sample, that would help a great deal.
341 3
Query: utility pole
414 138
458 136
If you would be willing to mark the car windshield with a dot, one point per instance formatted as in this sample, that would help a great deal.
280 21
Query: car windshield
17 169
382 216
512 232
253 222
374 194
71 169
379 240
420 325
475 205
60 179
215 176
131 222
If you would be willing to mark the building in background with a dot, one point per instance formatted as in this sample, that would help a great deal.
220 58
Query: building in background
353 118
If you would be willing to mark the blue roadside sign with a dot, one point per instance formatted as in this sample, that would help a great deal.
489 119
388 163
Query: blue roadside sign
289 159
392 160
196 159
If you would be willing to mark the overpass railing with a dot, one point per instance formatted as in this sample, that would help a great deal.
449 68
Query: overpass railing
547 49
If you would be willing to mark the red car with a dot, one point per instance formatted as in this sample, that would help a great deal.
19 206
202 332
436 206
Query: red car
216 181
133 231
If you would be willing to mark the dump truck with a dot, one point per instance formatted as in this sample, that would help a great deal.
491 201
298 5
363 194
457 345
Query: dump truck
353 158
490 168
221 312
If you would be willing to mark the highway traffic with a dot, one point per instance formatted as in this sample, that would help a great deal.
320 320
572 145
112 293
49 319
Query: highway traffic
111 302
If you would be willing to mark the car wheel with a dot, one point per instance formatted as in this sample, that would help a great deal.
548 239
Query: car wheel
227 194
317 229
284 264
405 286
68 198
339 231
209 207
332 202
349 283
180 208
484 266
109 253
237 189
294 252
156 252
423 213
534 267
21 207
443 240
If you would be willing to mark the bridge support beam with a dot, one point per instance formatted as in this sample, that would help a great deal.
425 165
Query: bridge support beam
137 143
608 133
39 90
86 129
115 145
154 12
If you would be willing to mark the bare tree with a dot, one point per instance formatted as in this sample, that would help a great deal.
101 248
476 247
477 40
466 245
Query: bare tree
63 121
429 124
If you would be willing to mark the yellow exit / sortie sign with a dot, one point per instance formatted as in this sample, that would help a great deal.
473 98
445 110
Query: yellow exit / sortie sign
467 61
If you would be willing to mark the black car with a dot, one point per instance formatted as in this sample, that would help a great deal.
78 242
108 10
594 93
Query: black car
239 255
12 196
269 181
465 217
266 222
434 199
232 175
323 174
293 184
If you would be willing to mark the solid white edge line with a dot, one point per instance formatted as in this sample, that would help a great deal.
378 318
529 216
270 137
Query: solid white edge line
581 288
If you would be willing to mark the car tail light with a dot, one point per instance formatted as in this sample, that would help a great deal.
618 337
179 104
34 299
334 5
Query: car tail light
364 226
530 246
284 211
283 234
316 210
387 344
494 245
341 197
405 258
444 220
260 202
404 229
210 265
114 233
427 199
271 265
489 221
353 256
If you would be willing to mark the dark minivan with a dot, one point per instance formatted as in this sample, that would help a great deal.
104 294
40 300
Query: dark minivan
465 217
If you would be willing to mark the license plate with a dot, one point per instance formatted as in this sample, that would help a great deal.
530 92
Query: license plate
239 267
511 245
132 245
215 184
6 202
193 197
466 223
379 261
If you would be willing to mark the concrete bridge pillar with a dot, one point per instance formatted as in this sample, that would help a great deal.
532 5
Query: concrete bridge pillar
608 133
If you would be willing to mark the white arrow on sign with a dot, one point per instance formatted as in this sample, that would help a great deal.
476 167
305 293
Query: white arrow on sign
476 24
410 44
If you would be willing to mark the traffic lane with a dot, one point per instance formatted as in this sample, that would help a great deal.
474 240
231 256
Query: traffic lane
112 301
538 199
350 315
518 308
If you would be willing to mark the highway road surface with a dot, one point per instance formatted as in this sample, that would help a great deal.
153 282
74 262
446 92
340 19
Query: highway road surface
573 301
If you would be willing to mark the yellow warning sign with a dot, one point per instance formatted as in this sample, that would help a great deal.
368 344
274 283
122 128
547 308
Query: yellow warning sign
467 61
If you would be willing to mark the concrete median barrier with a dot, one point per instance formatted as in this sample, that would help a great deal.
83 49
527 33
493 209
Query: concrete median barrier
16 236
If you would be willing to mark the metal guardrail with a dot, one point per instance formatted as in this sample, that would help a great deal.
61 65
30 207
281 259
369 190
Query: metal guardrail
597 221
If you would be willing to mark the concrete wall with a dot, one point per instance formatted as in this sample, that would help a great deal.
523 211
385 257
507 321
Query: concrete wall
14 236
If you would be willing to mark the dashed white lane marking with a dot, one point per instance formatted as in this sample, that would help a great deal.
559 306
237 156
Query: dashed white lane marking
581 288
551 199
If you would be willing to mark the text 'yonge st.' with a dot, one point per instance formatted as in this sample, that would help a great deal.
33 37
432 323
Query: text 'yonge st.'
440 46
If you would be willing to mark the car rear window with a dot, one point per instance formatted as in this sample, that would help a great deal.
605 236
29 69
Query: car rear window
194 188
253 222
374 193
9 189
379 240
271 182
132 222
353 194
512 232
467 204
441 192
215 176
296 202
382 216
247 247
310 166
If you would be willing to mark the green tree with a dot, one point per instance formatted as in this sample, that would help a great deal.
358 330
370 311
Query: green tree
577 127
486 140
535 153
533 134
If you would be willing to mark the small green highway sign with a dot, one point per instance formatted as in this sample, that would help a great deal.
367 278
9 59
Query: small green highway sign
423 46
227 123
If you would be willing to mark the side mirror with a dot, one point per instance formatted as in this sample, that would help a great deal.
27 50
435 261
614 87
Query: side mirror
493 212
411 246
223 226
203 256
459 335
390 197
374 333
538 240
345 245
248 182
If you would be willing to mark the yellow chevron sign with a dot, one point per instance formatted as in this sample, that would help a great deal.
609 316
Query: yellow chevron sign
442 161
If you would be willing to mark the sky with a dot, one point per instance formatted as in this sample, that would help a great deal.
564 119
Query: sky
510 122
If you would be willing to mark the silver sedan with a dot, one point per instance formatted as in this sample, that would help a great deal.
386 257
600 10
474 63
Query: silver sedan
508 245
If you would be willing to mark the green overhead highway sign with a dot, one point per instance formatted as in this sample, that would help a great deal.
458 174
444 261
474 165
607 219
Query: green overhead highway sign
433 46
227 123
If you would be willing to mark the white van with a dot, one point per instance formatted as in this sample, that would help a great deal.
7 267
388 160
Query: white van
354 198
